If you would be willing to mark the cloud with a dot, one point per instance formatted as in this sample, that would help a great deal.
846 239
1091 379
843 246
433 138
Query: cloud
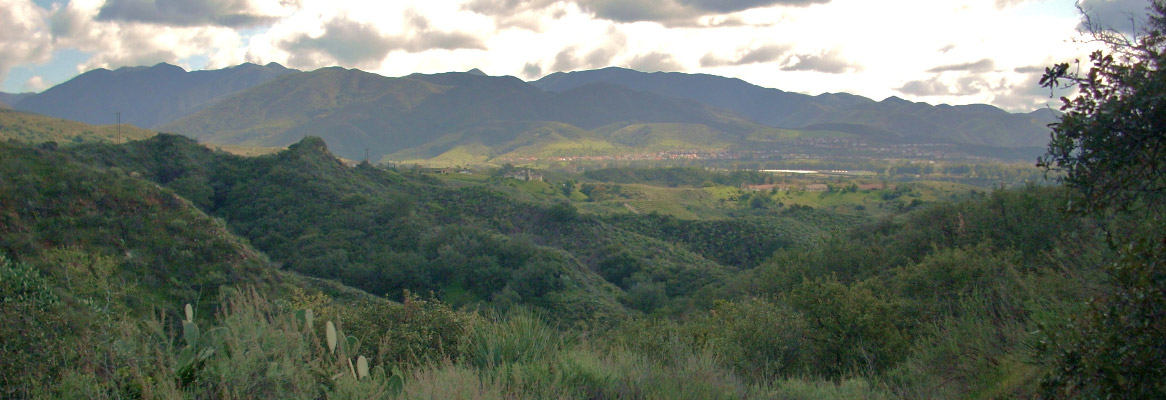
570 58
829 62
1031 69
983 65
35 84
344 41
532 70
1126 16
363 45
1002 4
227 13
763 54
133 46
758 55
1027 95
729 6
667 12
654 62
24 36
431 40
935 86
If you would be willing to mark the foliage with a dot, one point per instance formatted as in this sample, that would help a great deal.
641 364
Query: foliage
936 302
1110 142
1111 146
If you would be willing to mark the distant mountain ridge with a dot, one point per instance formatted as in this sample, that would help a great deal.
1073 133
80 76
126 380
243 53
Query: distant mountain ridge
145 96
977 124
8 99
425 116
470 117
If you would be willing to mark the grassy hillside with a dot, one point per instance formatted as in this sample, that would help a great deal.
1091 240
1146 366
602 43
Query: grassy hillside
93 245
944 301
384 231
35 128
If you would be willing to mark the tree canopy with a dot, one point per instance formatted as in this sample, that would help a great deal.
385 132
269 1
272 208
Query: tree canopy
1111 141
1111 145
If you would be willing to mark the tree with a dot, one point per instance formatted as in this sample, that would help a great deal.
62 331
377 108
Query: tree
1111 146
1111 142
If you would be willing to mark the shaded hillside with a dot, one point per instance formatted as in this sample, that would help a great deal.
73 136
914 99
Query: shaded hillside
145 96
384 231
428 115
8 99
96 264
918 122
35 128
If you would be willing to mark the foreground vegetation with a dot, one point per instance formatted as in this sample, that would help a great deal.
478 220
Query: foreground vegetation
518 298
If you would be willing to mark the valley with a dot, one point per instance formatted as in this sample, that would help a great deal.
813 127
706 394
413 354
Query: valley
337 233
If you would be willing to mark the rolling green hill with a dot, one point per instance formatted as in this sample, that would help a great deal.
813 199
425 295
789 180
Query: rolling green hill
101 244
35 128
383 231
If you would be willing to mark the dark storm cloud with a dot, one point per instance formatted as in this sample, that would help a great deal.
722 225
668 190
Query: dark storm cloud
1126 16
983 65
654 62
228 13
828 62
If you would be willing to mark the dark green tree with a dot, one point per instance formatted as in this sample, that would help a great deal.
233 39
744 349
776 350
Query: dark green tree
1110 146
1111 143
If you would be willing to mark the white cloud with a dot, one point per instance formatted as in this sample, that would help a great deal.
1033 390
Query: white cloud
34 84
25 38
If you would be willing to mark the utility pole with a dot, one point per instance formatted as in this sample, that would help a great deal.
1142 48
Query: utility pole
366 155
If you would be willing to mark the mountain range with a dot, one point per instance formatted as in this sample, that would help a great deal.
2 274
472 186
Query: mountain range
144 96
977 124
474 118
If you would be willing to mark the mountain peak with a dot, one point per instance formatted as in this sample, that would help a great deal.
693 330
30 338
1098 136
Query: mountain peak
895 100
477 72
275 66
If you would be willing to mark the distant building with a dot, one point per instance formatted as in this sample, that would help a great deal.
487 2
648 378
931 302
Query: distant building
524 175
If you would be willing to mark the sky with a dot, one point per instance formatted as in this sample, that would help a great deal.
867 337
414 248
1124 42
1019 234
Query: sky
935 51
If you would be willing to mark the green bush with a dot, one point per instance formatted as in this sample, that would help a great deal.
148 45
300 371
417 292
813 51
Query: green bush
520 337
